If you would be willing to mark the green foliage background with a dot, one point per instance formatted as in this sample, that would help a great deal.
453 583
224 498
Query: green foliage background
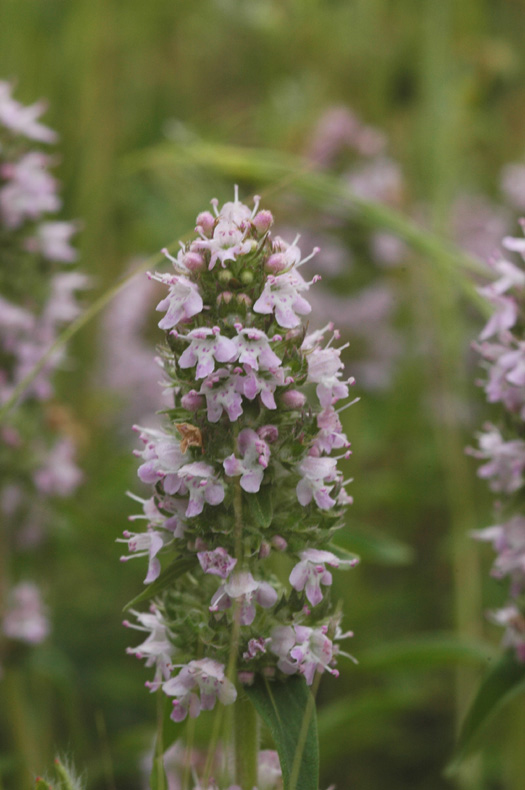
446 83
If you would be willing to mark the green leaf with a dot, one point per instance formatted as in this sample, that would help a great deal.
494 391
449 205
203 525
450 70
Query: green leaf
166 578
323 190
260 506
502 684
375 546
158 780
427 651
343 554
41 784
288 709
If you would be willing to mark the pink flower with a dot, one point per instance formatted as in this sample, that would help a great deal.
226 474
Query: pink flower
206 344
217 562
506 460
156 648
255 458
316 472
311 572
25 619
302 649
263 383
30 190
52 241
182 303
222 393
253 349
162 461
59 475
23 120
206 676
146 544
325 369
330 434
202 485
244 587
281 295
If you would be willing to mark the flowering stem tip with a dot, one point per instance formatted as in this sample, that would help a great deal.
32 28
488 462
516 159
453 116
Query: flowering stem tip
243 469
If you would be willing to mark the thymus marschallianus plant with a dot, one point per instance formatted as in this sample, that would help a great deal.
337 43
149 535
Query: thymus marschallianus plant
37 450
502 446
245 470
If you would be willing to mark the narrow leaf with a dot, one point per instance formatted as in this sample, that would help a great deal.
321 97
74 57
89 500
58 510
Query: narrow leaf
375 546
502 684
288 709
158 780
260 507
342 554
166 578
427 651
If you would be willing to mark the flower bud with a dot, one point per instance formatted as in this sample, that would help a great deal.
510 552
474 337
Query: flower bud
224 276
276 263
192 401
269 433
225 297
293 399
263 221
247 277
194 261
279 543
264 550
205 222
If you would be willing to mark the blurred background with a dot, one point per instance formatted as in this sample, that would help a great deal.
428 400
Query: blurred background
160 106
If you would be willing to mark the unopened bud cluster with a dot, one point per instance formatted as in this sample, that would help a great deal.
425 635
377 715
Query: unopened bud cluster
502 446
246 490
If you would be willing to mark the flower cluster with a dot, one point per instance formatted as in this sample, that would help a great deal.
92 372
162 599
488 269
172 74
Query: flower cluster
177 758
242 471
34 246
502 447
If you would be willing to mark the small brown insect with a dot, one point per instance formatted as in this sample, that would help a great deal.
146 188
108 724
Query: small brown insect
191 436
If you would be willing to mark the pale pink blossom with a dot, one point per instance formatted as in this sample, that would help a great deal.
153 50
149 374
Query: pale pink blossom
281 295
25 619
253 349
217 562
21 119
255 456
182 303
205 345
222 392
205 676
202 485
163 459
30 190
315 474
146 544
58 474
310 572
156 648
242 586
304 650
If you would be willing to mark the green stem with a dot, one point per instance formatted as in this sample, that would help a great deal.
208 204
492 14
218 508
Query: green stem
159 742
246 729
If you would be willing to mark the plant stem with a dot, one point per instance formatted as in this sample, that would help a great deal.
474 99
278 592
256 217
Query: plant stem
246 729
159 742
